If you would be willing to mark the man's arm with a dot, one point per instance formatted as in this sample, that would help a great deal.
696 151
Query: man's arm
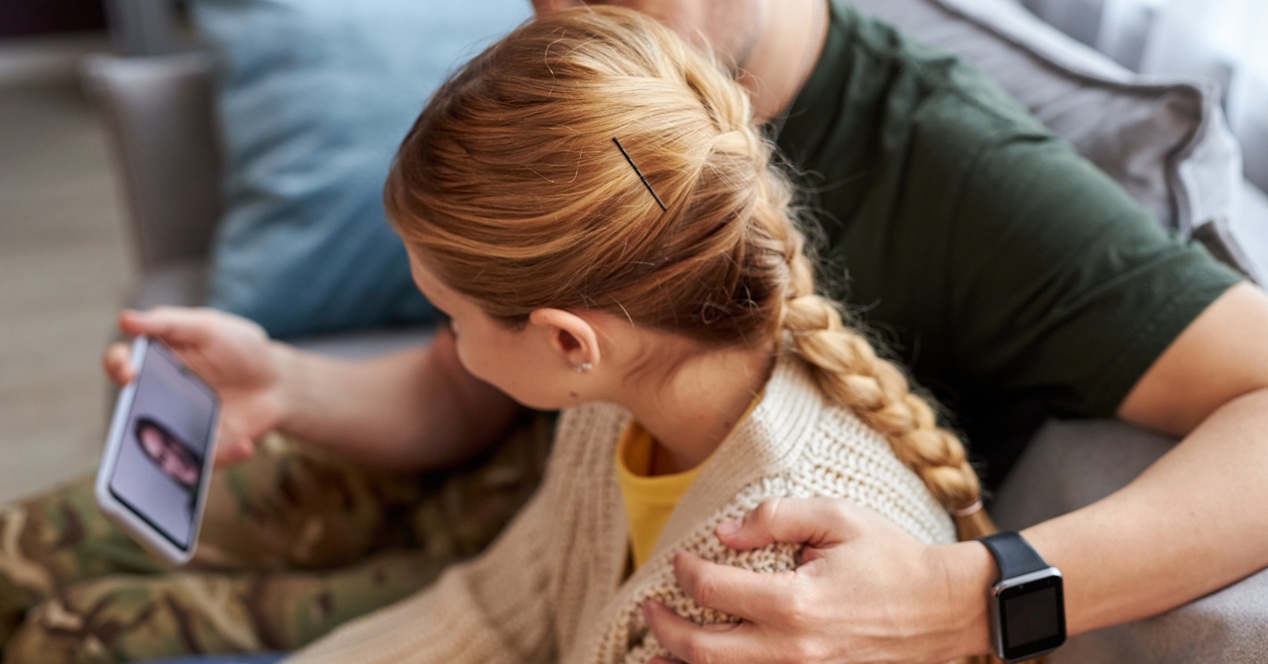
1192 523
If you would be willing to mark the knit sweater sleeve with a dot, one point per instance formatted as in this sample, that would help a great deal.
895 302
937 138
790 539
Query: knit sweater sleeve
492 609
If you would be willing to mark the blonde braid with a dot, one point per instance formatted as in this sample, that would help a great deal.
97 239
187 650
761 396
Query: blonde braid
849 371
846 365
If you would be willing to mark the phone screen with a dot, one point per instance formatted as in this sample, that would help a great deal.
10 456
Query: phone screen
164 452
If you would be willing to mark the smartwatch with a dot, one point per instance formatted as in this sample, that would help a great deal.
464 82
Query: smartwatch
1026 602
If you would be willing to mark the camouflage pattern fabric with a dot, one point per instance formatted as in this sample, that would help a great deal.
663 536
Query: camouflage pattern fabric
293 544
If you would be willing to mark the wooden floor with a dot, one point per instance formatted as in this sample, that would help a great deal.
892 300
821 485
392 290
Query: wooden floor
64 269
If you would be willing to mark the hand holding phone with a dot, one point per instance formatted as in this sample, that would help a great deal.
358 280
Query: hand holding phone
157 462
232 354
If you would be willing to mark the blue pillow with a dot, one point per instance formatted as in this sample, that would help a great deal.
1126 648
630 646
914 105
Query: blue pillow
314 97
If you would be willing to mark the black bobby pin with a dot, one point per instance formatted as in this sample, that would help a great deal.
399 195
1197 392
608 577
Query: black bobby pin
640 174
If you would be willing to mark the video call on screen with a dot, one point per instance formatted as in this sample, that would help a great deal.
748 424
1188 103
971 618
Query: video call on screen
159 465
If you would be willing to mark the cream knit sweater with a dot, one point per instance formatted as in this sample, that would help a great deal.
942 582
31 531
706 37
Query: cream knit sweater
551 587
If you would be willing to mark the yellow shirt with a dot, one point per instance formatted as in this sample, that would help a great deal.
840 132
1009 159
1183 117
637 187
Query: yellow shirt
650 499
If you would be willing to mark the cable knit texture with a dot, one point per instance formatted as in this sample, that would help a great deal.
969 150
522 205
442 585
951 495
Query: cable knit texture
551 588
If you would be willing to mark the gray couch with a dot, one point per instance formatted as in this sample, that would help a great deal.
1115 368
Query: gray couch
159 112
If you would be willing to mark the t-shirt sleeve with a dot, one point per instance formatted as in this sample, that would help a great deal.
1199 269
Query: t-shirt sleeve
1063 287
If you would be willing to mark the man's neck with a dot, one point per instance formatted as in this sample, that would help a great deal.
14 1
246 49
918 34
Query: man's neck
784 55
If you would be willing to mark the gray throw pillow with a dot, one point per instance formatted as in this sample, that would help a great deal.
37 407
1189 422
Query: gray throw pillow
1164 141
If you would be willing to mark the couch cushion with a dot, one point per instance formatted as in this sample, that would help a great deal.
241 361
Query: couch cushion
314 96
1164 141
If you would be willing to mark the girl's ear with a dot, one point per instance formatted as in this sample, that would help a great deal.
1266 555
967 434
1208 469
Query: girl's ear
572 336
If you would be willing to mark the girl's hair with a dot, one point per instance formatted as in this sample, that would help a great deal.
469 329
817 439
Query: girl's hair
511 185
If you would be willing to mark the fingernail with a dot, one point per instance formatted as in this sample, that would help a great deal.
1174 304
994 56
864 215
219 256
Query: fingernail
729 527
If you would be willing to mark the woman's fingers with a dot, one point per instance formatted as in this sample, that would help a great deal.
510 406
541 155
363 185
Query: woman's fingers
117 363
233 452
232 447
176 326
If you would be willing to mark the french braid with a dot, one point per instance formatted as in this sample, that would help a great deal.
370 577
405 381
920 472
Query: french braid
846 366
848 370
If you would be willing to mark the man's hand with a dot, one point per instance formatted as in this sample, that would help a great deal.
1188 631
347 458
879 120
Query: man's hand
865 592
232 354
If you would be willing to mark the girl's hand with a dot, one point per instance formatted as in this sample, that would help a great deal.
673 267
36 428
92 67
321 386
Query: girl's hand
234 356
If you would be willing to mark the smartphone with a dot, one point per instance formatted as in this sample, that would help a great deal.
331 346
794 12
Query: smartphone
156 466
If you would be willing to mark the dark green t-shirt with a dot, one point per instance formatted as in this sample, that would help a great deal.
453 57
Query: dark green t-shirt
1013 277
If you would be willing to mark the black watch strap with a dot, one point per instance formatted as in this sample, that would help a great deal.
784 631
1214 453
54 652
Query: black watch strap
1013 554
1026 602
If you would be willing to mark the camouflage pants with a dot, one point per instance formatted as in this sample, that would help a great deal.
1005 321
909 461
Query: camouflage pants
293 544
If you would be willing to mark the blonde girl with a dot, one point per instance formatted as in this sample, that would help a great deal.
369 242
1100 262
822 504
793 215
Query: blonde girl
591 203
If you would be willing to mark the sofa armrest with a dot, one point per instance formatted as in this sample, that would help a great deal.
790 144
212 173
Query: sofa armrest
159 115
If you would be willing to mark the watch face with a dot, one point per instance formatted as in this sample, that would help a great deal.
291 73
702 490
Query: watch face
1031 617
